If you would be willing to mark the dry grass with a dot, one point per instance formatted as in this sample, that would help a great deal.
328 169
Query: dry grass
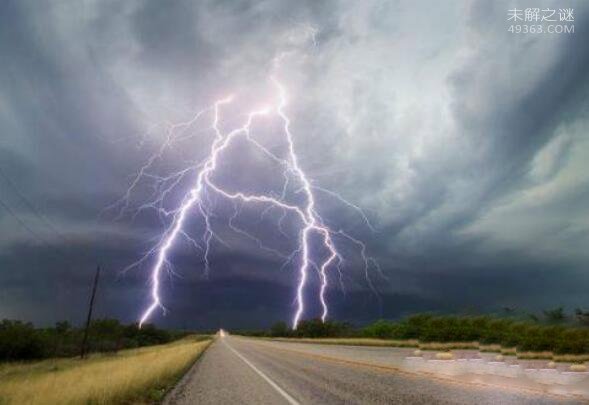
448 346
444 356
535 355
492 348
508 351
571 358
353 341
578 368
131 376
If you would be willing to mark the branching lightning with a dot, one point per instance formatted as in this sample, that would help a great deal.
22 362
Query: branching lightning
198 201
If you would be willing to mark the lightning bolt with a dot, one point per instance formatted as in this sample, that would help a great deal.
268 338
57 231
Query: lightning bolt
198 199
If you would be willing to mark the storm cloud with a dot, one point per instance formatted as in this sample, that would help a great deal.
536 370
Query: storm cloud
465 145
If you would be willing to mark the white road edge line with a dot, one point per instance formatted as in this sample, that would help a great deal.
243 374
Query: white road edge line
282 392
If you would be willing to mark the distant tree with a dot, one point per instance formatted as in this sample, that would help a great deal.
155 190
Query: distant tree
280 329
573 341
62 327
147 335
105 335
496 330
555 315
312 328
381 329
416 325
19 341
315 328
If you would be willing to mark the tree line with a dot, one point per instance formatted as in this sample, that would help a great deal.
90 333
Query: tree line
22 341
553 331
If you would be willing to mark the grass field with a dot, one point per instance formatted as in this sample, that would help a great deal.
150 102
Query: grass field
353 341
129 377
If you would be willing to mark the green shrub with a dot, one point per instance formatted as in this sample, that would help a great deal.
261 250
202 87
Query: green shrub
495 331
380 329
280 329
537 338
415 325
20 341
572 341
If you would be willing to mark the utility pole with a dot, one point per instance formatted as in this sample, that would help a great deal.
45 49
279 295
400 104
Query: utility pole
89 318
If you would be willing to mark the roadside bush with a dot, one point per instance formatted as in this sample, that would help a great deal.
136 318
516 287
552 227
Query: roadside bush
495 331
19 341
509 333
516 334
416 325
315 328
572 341
381 329
537 338
280 329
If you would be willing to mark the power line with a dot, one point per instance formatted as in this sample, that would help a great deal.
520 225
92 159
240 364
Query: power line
34 234
48 224
32 207
22 223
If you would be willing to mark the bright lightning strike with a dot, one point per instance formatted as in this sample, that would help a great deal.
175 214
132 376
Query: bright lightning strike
197 199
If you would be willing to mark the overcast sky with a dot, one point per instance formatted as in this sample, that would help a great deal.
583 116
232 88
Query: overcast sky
465 145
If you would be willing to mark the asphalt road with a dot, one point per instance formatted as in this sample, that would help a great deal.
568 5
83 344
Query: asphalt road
237 370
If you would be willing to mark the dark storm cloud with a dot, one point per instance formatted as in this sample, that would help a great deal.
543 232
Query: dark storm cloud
464 143
515 123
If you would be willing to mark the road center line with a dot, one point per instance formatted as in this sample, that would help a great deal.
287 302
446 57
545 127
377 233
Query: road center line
282 392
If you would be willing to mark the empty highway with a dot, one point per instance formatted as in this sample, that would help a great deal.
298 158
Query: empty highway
236 370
